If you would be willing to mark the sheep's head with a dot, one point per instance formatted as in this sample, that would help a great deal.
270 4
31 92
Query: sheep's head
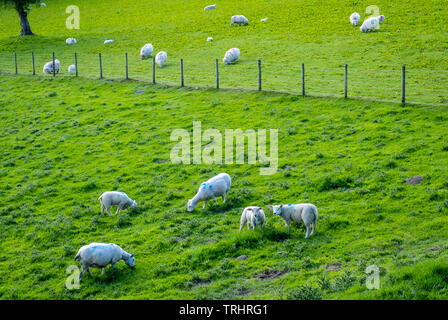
133 204
277 210
130 261
258 212
190 205
381 18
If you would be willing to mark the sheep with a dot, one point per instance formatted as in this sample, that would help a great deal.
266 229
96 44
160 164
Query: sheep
231 55
239 20
210 7
146 51
161 58
43 4
370 24
108 41
355 18
218 186
264 20
99 255
71 69
115 198
253 216
70 41
305 212
48 67
209 39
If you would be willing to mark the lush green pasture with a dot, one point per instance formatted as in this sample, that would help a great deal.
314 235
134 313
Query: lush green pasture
316 33
64 141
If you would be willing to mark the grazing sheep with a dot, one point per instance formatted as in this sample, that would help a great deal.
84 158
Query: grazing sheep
108 41
231 55
43 4
48 67
218 186
209 39
264 19
254 216
239 20
210 7
161 58
305 212
370 24
381 18
355 18
146 51
71 69
115 198
99 255
70 41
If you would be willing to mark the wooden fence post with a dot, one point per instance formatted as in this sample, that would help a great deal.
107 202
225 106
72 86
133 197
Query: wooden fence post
15 60
181 72
76 64
217 74
346 81
154 70
34 67
303 79
54 67
259 75
101 66
126 58
403 84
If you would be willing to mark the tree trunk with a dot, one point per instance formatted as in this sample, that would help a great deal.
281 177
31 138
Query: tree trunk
26 29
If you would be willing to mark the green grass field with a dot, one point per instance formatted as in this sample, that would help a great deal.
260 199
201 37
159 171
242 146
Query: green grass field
66 140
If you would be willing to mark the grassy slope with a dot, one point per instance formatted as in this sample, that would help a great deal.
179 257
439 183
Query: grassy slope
415 34
65 141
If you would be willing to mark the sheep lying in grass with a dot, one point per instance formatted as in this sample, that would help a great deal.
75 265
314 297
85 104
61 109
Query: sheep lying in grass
370 24
355 18
305 212
254 216
43 4
70 41
231 55
108 41
210 7
209 39
264 20
146 51
239 20
48 67
99 255
161 58
115 198
71 69
218 186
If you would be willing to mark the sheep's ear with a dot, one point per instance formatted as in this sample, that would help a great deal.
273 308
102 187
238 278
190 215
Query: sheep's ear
259 208
132 255
249 209
281 206
270 207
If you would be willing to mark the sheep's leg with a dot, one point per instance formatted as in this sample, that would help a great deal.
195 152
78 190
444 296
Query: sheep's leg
307 231
287 226
314 227
225 196
205 204
108 211
83 270
120 207
214 199
241 225
90 272
104 270
102 209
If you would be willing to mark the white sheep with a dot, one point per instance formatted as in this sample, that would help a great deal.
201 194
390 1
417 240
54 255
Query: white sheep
71 69
231 55
370 24
70 41
146 51
239 20
209 39
115 198
108 41
305 212
264 20
43 4
210 7
161 58
355 18
254 216
99 255
48 67
218 186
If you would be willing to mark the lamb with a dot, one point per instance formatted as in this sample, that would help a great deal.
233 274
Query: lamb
239 20
355 18
115 198
218 186
70 41
161 58
108 41
71 69
231 55
305 212
146 51
254 216
370 24
209 39
99 255
48 67
210 7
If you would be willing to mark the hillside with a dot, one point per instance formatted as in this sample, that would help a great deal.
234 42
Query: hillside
64 141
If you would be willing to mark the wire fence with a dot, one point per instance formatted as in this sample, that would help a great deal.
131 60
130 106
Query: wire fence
382 83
